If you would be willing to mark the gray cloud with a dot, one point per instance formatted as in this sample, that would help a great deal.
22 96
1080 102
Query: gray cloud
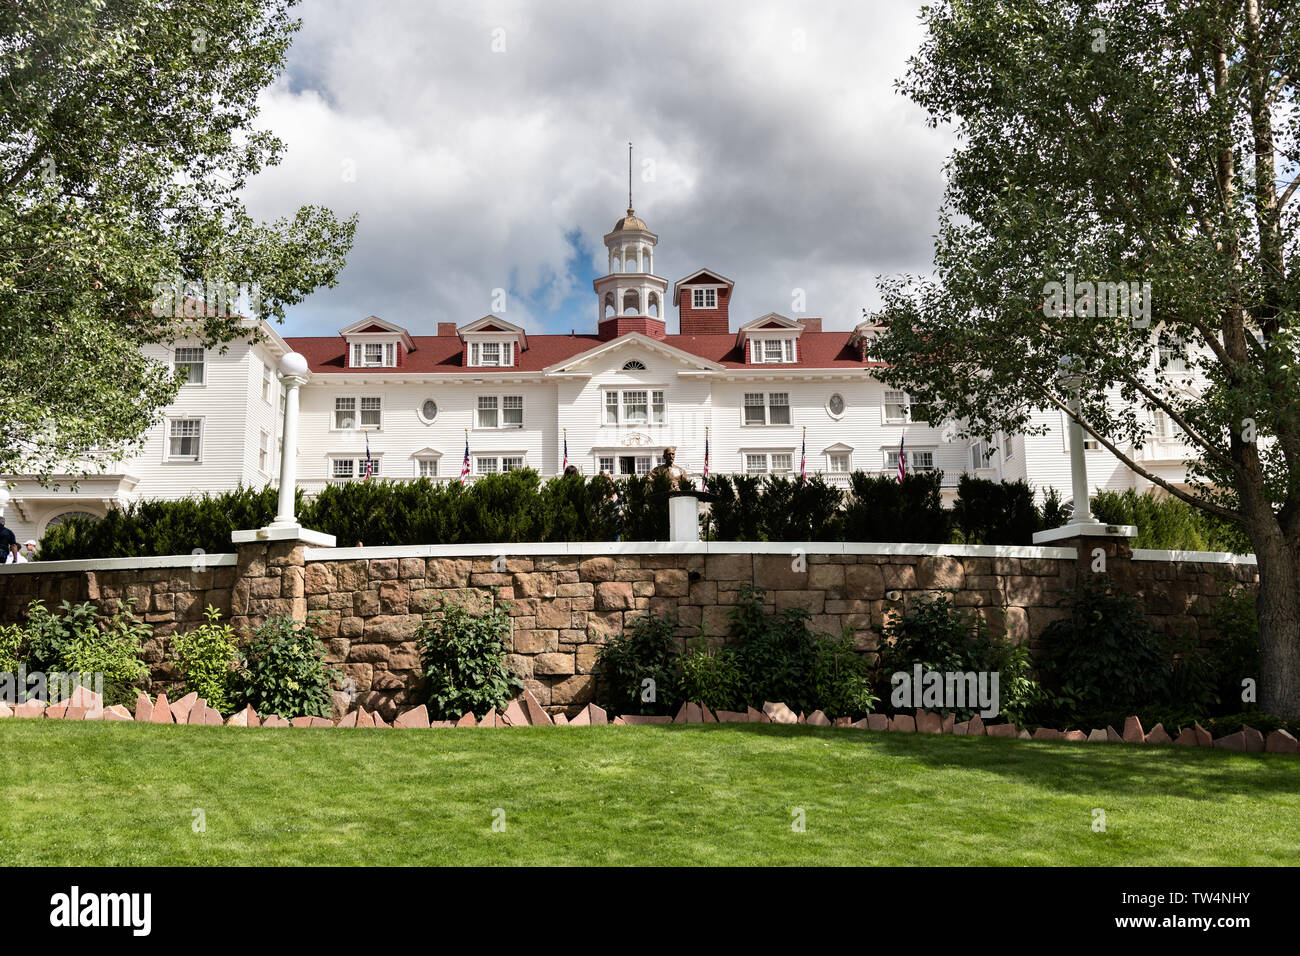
777 165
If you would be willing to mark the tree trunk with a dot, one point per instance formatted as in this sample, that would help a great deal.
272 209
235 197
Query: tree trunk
1278 610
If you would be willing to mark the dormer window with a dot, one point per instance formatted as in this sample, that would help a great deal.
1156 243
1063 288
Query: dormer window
374 354
491 354
704 298
770 351
376 343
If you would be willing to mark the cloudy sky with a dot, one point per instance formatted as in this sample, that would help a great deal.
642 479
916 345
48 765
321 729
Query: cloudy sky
484 145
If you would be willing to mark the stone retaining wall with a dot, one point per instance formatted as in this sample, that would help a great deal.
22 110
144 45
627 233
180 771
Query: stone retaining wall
367 603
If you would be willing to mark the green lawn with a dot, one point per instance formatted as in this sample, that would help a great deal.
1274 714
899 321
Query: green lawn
96 793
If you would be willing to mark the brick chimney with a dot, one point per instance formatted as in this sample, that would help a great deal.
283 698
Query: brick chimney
446 329
813 324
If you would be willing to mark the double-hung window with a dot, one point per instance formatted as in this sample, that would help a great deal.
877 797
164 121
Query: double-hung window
895 408
504 411
704 298
767 408
491 354
190 365
184 439
637 406
771 351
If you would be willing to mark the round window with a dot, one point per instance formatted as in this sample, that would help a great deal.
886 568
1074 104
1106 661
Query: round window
836 405
429 410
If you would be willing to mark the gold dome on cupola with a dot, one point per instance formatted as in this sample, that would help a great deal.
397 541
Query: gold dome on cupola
630 221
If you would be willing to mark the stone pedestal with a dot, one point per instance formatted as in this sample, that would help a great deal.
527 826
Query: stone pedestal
1102 549
269 578
684 516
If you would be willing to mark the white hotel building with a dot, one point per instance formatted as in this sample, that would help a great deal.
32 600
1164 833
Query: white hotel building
619 395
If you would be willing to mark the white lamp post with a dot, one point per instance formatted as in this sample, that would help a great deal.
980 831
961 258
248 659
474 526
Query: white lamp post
1082 524
1071 378
293 373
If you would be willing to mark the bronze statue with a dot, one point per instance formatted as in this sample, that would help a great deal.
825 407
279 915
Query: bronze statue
674 474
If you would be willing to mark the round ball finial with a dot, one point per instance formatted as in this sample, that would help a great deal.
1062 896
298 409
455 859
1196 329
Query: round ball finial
293 364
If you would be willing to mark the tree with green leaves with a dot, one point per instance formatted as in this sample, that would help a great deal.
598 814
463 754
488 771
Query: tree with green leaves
1103 146
126 137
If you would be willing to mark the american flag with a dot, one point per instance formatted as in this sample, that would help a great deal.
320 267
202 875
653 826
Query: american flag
464 468
902 460
566 451
370 462
803 458
706 452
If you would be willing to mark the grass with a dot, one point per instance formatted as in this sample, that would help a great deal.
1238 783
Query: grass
121 794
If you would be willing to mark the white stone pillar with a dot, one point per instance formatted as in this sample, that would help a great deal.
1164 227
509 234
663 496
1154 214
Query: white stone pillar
683 518
293 373
1078 468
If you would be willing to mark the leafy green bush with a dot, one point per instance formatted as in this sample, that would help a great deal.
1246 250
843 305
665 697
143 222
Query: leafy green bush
711 677
1234 656
801 511
1105 655
463 657
283 671
780 658
207 657
1168 523
942 637
80 640
880 508
12 652
995 512
647 652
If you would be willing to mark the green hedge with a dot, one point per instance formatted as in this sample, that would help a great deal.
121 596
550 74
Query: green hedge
519 506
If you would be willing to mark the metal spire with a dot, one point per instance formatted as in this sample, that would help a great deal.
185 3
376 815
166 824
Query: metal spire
629 178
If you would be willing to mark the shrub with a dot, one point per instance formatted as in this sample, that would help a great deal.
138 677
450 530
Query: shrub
79 640
207 657
710 676
152 527
800 511
735 512
881 508
1105 655
995 512
942 637
647 652
840 678
12 652
463 657
1235 655
780 658
1169 523
283 671
1053 514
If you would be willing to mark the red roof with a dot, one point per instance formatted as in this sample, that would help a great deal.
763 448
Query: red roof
442 353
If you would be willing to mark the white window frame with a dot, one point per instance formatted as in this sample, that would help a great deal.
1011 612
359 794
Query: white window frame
656 406
704 298
759 347
201 363
500 407
833 456
768 462
422 460
168 437
504 353
268 380
360 351
499 459
767 407
264 462
905 403
358 410
358 463
913 459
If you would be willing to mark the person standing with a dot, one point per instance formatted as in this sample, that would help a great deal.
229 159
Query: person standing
6 538
13 555
29 551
